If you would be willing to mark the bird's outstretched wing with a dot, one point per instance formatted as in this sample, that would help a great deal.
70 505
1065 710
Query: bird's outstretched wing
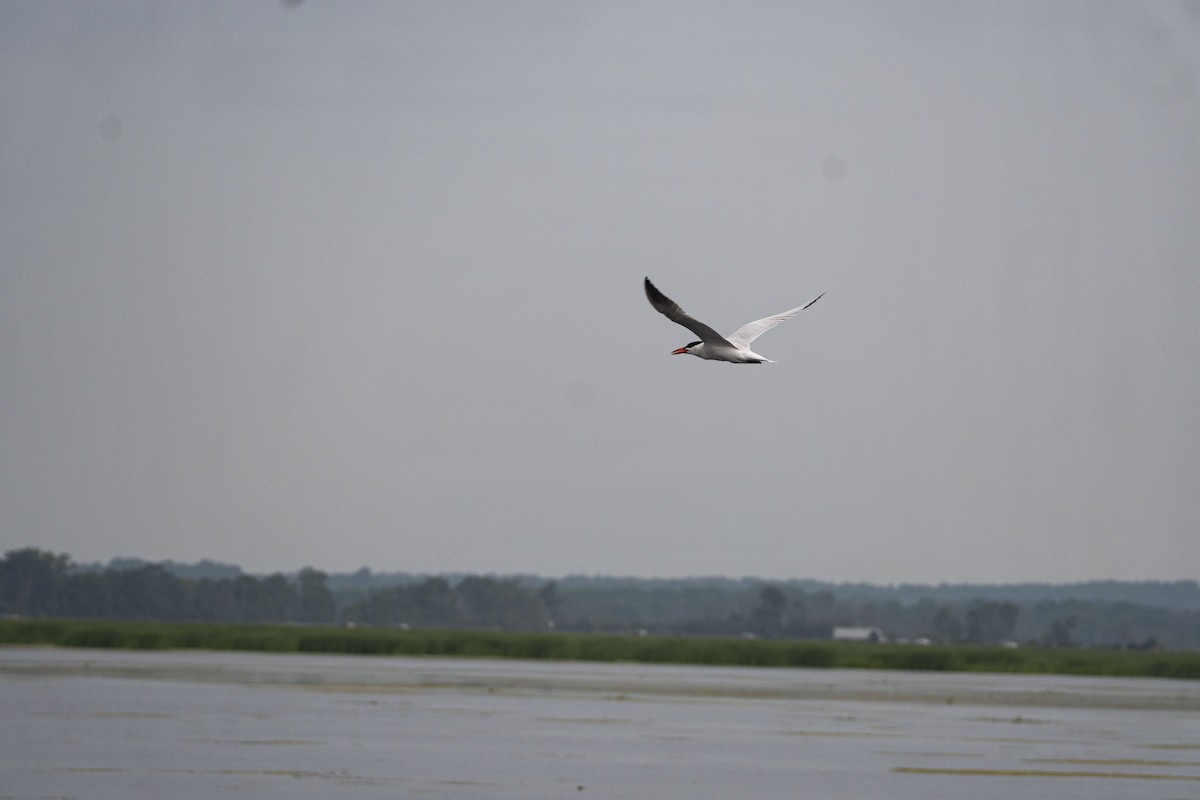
746 334
669 309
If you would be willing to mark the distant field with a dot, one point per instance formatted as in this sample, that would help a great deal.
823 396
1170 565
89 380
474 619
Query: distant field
595 647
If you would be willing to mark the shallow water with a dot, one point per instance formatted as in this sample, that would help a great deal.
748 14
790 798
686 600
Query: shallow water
106 724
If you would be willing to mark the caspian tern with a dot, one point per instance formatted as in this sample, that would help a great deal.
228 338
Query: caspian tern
712 345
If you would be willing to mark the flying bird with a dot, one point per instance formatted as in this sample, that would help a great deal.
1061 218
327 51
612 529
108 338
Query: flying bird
734 348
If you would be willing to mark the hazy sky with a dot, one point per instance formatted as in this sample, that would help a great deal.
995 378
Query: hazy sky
344 284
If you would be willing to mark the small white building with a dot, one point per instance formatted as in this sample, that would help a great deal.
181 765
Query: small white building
847 634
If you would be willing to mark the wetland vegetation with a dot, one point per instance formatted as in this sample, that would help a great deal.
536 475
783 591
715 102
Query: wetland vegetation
710 650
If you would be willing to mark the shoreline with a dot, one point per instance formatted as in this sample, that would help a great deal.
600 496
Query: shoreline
407 674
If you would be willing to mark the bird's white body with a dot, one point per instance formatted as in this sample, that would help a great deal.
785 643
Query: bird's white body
726 352
733 348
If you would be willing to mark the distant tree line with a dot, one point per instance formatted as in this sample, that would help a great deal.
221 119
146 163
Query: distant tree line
38 583
473 602
770 610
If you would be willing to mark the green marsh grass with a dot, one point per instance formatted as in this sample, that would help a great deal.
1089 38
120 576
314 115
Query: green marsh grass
594 647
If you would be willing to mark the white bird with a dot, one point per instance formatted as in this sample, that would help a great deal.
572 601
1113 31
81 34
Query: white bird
712 345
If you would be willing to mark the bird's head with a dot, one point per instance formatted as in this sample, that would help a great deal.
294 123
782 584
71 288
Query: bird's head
687 348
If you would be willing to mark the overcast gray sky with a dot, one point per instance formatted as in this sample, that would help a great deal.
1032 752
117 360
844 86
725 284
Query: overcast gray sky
345 284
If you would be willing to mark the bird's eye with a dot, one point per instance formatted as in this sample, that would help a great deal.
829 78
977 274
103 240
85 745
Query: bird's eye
692 344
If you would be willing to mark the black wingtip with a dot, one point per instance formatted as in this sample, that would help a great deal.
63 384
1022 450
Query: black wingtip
653 294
